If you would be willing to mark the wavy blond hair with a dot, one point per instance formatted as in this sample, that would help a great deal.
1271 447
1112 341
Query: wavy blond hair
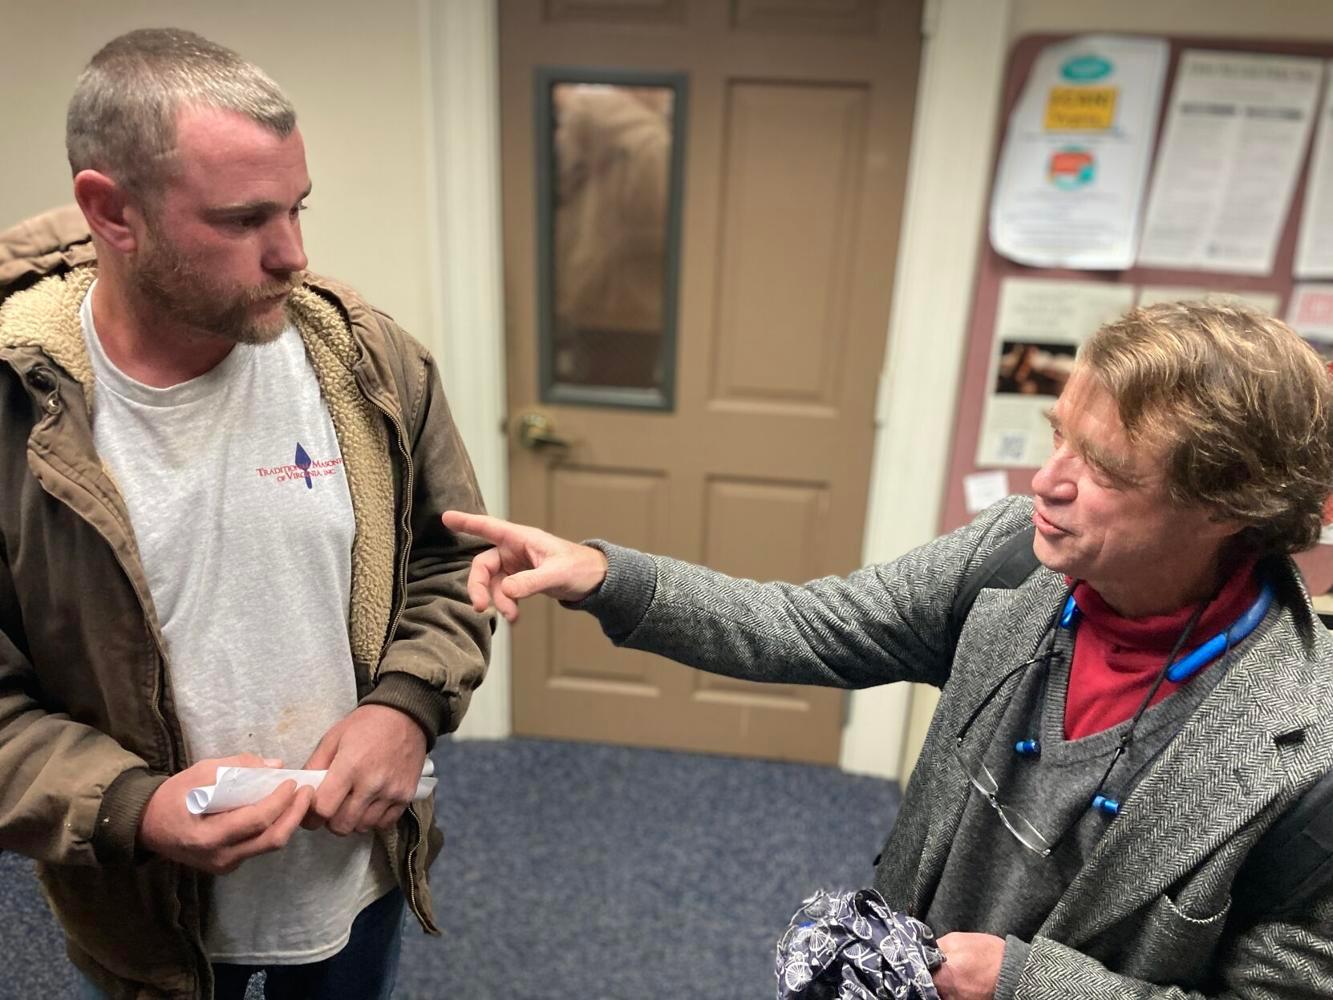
1243 406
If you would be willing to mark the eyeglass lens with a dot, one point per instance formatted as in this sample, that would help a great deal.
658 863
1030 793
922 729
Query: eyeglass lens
1014 821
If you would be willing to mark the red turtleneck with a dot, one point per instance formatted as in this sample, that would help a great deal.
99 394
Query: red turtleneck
1116 659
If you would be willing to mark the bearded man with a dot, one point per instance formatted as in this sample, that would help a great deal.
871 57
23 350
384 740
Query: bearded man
220 547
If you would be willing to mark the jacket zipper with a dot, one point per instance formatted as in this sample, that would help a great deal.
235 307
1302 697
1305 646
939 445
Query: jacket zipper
412 901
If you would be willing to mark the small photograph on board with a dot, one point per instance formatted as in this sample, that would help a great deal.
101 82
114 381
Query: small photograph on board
1039 325
1033 369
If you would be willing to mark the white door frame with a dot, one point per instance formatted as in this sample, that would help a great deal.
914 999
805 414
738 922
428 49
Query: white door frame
460 55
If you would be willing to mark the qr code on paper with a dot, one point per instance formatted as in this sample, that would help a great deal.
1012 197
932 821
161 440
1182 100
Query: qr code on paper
1013 445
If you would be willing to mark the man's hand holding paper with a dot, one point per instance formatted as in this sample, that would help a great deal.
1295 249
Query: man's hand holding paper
374 758
218 844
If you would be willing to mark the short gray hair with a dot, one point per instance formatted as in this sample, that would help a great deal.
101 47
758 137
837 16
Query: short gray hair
122 117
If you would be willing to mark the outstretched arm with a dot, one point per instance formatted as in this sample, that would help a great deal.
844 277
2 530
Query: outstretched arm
525 561
879 624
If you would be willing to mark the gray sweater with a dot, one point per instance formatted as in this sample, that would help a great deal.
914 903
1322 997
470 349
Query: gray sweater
1144 909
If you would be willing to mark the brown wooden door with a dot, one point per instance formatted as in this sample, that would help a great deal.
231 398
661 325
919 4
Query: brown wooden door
796 123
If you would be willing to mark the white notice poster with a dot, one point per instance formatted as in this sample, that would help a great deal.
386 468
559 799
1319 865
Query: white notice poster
1235 136
1039 326
1314 252
1069 187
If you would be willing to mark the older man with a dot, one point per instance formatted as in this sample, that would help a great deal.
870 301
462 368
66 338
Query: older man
1115 734
219 546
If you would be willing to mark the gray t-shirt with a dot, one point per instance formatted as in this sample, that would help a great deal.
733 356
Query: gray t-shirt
240 507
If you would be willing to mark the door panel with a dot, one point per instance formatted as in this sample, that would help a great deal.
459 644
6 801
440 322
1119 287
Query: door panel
631 507
795 129
784 271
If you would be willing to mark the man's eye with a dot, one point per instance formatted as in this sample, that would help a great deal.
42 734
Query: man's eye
1107 479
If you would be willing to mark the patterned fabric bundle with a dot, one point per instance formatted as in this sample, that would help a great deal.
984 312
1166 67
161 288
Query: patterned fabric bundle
851 946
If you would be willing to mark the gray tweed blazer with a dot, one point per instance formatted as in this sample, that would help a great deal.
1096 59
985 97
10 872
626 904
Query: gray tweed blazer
1151 913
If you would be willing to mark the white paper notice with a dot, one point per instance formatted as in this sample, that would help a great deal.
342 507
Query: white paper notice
244 786
1314 251
1231 152
1069 187
981 489
1265 302
1039 326
1310 314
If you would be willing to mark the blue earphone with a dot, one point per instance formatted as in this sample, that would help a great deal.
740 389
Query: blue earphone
1182 669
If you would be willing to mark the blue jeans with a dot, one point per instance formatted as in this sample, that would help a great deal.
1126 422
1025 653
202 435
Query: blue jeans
365 969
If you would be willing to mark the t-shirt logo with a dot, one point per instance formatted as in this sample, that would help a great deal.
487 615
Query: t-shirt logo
302 467
303 463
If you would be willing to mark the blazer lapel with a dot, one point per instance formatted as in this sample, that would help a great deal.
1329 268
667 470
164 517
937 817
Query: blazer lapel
1220 771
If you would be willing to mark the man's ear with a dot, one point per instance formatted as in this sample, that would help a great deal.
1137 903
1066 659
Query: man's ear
107 208
1224 528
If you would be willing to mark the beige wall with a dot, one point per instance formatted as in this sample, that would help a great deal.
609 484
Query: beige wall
354 71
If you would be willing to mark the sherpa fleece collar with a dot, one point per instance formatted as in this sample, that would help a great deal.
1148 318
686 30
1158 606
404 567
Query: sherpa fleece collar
46 317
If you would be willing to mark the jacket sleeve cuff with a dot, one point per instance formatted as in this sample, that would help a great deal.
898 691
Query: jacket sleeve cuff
115 841
622 600
1015 958
429 707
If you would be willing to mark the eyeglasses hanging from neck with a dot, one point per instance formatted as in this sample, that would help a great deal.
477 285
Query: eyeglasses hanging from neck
1174 668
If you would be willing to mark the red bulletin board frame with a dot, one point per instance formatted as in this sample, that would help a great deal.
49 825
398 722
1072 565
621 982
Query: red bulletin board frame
992 269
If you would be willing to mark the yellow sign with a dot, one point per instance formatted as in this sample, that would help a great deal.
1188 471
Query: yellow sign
1080 109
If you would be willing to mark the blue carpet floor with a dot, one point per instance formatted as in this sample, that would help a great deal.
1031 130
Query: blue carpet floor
580 870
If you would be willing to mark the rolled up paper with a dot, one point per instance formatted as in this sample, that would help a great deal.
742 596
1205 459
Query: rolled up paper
244 786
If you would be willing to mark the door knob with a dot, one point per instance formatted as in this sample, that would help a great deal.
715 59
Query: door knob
537 431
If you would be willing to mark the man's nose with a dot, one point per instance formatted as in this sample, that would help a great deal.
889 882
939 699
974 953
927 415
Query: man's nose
1054 481
285 252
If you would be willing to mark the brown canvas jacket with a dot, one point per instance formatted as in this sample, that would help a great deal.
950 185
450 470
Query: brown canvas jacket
87 728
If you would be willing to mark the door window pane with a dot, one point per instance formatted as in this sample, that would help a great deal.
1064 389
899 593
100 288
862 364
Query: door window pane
609 191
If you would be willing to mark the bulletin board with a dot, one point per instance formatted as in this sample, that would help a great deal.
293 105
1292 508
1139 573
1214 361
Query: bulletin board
993 270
